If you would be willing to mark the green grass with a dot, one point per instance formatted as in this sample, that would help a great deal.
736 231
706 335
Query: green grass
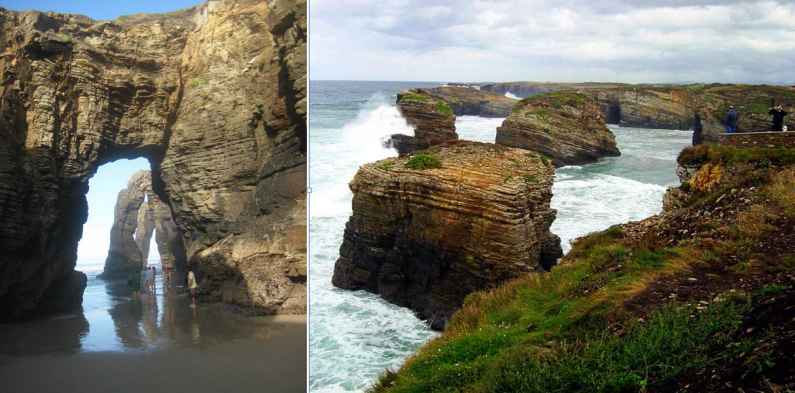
386 165
423 161
412 96
443 108
673 340
569 330
733 155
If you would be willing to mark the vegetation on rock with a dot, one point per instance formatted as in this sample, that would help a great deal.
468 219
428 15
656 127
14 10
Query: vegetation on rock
698 298
423 161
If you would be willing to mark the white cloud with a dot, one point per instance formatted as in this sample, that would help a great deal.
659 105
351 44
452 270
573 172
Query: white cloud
628 41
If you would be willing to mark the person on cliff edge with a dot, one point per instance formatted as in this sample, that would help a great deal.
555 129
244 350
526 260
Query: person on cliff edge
731 120
698 129
778 114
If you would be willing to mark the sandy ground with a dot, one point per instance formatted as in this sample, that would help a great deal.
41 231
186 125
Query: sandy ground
158 344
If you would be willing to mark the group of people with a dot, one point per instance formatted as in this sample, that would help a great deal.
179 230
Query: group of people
776 112
145 282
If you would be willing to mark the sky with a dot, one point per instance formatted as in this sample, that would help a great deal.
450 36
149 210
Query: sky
553 40
100 9
103 189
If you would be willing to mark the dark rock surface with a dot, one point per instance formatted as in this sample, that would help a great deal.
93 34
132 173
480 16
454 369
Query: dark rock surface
213 96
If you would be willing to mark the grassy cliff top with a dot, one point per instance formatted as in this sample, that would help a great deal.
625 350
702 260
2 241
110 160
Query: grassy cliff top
687 300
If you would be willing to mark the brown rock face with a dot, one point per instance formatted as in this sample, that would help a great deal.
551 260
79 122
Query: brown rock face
565 126
125 254
135 221
467 101
671 106
213 96
433 120
425 238
167 236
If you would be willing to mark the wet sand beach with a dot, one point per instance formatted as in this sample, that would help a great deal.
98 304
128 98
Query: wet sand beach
156 343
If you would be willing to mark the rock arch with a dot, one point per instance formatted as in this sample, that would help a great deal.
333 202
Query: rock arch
138 215
213 96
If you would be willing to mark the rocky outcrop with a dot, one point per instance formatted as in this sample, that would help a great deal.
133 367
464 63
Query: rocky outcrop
213 96
139 214
125 253
567 127
467 101
167 236
670 106
425 238
433 121
146 225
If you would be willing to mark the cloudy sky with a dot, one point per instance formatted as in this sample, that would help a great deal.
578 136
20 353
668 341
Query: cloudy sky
568 40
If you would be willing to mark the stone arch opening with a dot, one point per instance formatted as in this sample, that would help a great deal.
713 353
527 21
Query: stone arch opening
214 99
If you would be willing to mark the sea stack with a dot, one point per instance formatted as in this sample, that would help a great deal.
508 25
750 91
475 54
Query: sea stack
432 118
567 127
125 254
429 229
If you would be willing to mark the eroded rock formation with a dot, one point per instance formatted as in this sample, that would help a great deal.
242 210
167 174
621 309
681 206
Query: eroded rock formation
139 214
125 254
432 118
214 96
670 106
466 101
564 126
425 238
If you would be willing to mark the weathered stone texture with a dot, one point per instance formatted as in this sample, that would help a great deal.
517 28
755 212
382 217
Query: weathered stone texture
564 126
214 96
426 238
466 101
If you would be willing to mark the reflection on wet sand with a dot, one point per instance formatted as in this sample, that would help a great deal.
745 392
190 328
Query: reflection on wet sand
144 334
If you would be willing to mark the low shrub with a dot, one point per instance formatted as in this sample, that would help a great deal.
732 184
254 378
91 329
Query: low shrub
423 161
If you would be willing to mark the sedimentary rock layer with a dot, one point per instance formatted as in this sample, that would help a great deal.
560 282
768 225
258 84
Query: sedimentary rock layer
425 238
125 254
433 121
138 215
564 126
671 106
214 96
466 101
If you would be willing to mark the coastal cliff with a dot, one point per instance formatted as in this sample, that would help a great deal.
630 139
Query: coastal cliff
213 96
466 101
432 118
670 106
567 127
697 298
429 229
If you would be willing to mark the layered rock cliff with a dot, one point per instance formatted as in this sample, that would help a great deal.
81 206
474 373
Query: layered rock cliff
128 235
567 127
698 298
214 96
670 106
432 118
429 229
466 101
139 214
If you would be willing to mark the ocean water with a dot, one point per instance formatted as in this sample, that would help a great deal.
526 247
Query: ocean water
355 335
